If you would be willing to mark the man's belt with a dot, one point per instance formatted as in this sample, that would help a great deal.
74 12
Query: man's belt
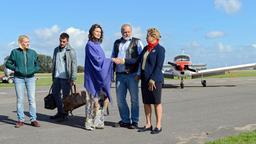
124 73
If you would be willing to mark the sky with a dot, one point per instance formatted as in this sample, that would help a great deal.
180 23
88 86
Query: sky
213 32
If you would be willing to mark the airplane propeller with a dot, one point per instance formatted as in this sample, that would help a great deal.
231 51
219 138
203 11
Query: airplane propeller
173 64
190 69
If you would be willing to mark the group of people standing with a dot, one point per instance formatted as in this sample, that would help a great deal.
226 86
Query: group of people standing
130 62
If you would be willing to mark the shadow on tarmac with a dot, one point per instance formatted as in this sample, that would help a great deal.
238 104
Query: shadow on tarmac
73 121
176 86
5 119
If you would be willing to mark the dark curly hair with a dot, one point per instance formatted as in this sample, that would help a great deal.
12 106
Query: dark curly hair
90 35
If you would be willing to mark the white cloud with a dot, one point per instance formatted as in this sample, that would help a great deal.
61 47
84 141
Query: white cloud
44 40
253 45
224 48
78 37
13 44
214 34
138 33
229 6
47 33
194 44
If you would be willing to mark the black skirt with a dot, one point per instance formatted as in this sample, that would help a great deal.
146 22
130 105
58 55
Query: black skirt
151 97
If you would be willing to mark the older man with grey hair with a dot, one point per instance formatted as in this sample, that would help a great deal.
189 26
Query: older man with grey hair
125 56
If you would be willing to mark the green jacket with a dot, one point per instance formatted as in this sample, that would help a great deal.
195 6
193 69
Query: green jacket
24 63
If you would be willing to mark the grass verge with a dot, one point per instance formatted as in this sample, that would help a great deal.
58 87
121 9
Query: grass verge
242 138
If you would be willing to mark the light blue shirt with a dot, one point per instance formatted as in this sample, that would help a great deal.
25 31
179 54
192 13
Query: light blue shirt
124 45
60 70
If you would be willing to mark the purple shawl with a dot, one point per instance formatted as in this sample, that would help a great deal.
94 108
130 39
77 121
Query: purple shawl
97 70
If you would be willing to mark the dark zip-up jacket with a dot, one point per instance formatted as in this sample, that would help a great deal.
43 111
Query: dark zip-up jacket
24 63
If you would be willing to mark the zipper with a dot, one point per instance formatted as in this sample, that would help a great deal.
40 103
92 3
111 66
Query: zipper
25 62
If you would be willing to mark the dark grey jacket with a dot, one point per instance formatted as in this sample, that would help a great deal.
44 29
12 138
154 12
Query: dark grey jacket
71 62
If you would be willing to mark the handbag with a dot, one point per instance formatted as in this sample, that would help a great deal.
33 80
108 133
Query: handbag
74 100
49 101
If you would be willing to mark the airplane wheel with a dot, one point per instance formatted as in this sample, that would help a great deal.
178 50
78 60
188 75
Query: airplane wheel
181 85
203 83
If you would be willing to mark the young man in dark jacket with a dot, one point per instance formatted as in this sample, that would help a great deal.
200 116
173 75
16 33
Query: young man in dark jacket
64 71
24 62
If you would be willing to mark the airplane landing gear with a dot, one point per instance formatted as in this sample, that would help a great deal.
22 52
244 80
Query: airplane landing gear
181 83
203 82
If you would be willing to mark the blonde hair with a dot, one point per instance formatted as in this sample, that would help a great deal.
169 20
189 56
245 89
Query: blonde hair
154 33
21 38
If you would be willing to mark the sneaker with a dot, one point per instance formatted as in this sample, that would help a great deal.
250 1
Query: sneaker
89 128
134 125
35 124
19 124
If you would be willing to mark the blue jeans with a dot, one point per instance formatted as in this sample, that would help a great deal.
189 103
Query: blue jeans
30 85
126 82
58 86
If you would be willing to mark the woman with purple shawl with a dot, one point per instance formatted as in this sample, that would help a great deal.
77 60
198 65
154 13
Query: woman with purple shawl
97 79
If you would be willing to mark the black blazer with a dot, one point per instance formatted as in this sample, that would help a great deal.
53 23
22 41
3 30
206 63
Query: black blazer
154 64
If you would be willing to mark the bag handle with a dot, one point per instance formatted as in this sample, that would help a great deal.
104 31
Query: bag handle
73 89
50 90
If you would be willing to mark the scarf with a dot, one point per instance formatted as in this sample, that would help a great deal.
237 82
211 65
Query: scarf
151 46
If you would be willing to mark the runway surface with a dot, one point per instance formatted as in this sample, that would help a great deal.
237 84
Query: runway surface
192 115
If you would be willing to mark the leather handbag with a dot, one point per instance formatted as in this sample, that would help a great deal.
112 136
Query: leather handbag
74 100
49 101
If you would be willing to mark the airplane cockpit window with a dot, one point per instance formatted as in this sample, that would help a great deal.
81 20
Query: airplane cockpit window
182 58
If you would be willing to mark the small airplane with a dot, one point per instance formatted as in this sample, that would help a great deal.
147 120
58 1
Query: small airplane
183 67
8 76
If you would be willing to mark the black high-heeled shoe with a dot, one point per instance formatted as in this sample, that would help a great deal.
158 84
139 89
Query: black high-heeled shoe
156 131
145 129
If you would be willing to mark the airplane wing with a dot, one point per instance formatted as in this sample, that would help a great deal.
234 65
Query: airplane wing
169 73
221 70
198 66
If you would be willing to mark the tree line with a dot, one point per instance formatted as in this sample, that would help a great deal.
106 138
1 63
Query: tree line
46 64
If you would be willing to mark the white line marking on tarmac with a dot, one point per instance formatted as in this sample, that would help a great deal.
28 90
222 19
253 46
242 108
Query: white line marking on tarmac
3 93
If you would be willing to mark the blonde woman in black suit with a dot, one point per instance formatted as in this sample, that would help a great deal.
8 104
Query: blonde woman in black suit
152 59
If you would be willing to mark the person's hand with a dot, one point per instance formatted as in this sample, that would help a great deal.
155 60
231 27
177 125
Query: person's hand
118 60
137 77
113 60
72 82
151 86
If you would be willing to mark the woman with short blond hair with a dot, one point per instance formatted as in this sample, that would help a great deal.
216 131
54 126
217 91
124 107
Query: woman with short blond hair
24 62
152 59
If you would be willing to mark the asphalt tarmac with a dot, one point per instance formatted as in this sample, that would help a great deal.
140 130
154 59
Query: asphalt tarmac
192 115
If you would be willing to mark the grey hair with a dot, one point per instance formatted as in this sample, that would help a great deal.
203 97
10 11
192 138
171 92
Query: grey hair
125 25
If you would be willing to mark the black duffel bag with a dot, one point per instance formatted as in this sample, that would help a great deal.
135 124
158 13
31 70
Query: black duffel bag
49 101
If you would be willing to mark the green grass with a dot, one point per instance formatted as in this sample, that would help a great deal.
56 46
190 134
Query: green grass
46 80
242 138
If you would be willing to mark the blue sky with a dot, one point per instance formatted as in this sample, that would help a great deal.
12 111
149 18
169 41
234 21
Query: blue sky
215 32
